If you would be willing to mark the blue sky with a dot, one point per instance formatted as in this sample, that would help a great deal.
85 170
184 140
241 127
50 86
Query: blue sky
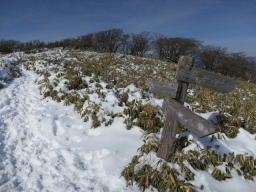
226 23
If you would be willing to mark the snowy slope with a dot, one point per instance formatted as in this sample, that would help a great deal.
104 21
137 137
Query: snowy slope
5 68
45 146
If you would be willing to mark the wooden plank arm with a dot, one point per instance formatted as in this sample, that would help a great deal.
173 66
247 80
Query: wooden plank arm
164 89
206 79
196 124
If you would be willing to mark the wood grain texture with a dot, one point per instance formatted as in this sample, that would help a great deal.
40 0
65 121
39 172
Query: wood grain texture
185 61
164 89
166 147
182 91
206 79
196 124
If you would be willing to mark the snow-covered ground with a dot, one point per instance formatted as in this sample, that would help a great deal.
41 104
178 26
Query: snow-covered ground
5 68
45 146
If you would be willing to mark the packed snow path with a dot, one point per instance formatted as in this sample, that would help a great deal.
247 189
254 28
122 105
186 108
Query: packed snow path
45 146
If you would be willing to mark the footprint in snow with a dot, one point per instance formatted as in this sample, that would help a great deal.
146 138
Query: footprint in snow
75 139
57 128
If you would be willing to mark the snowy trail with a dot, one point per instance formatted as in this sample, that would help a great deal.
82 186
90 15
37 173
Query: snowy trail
45 146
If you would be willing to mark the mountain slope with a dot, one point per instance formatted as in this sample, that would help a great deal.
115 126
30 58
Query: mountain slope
74 120
45 146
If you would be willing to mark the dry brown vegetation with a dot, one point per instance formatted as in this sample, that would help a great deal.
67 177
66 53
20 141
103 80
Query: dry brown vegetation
236 110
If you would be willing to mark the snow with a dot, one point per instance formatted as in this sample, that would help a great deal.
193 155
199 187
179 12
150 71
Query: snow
45 146
210 116
5 65
236 184
244 143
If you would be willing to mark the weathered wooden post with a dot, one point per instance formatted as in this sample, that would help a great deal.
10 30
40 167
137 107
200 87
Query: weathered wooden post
171 124
176 112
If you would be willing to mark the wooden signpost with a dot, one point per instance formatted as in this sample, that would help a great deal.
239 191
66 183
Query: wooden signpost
175 94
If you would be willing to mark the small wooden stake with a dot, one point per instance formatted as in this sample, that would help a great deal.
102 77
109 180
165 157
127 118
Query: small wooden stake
166 147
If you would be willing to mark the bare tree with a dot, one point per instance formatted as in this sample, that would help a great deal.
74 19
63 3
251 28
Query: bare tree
109 40
239 65
171 49
140 43
86 42
233 64
212 57
8 46
124 46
